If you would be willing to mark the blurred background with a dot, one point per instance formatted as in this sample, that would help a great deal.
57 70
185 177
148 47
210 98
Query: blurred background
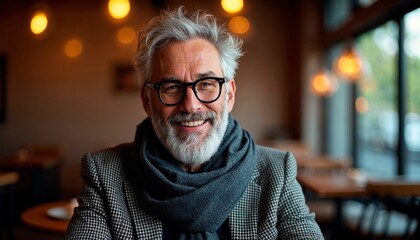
75 101
67 86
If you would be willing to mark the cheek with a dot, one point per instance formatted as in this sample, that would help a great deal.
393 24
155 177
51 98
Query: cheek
218 107
163 112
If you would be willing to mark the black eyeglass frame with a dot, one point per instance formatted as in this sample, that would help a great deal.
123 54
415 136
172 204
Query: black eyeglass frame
157 86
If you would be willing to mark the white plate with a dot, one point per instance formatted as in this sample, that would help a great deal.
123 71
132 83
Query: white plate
60 213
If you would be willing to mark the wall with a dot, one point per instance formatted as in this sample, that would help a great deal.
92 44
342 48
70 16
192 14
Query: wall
52 99
312 110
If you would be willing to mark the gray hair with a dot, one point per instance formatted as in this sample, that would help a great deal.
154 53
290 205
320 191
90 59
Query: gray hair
176 26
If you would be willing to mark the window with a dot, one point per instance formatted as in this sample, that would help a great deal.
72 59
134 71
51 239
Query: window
376 109
412 67
384 127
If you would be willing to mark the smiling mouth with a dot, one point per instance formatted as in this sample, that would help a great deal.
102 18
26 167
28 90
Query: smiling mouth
192 123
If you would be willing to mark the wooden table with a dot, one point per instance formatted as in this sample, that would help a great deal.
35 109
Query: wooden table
39 178
38 218
322 162
339 186
8 178
334 185
297 147
331 184
37 161
396 187
7 182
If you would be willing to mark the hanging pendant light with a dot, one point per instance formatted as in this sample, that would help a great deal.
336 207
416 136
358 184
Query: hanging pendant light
348 65
323 83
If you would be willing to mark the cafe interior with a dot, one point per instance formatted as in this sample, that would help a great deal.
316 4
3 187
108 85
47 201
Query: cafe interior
333 82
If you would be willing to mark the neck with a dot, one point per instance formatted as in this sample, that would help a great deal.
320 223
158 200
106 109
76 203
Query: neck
191 168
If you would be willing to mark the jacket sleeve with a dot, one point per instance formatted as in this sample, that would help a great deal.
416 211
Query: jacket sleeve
294 219
89 220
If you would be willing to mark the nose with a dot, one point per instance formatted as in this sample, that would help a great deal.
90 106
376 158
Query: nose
190 103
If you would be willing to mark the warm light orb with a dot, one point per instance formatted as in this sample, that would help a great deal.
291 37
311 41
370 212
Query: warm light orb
232 6
362 105
118 9
349 65
323 83
126 35
39 22
239 25
73 48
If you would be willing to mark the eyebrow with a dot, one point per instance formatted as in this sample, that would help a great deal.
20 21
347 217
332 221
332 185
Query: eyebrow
169 79
206 74
200 75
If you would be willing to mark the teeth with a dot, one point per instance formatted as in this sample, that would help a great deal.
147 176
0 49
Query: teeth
192 124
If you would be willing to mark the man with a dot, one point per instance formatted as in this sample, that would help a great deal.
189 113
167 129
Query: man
192 172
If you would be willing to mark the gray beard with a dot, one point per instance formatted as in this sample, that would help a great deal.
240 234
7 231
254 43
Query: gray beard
190 149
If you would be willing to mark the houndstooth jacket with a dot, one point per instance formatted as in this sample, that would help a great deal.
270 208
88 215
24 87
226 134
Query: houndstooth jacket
111 206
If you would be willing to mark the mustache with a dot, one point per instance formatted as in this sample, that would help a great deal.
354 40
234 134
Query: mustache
181 117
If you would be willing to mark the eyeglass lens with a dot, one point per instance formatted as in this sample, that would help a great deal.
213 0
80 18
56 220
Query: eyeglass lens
206 90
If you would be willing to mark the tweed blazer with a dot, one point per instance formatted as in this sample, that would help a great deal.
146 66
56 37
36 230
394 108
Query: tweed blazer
111 204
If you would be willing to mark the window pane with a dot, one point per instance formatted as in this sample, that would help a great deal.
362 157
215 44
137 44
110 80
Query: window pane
412 119
336 13
366 3
377 116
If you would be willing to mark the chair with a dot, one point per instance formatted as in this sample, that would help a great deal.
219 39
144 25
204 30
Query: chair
392 211
401 195
373 220
325 209
39 170
7 219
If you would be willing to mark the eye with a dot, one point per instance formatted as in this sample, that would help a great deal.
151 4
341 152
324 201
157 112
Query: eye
207 84
171 88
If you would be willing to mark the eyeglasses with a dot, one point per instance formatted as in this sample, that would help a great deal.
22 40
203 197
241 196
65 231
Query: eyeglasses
172 92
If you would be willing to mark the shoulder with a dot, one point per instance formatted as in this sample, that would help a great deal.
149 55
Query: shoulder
111 151
274 165
110 155
107 162
270 153
270 158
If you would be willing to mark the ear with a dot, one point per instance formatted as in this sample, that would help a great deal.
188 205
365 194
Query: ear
146 101
231 94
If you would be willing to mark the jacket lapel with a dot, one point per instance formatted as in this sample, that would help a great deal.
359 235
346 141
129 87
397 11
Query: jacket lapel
243 221
146 224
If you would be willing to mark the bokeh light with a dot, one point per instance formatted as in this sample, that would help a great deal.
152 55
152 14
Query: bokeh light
39 22
232 6
323 83
73 48
239 25
348 65
362 105
126 35
118 9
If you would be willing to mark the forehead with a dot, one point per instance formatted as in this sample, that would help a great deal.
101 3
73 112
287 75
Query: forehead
186 58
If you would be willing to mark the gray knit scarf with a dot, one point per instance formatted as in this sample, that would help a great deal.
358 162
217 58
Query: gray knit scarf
196 203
